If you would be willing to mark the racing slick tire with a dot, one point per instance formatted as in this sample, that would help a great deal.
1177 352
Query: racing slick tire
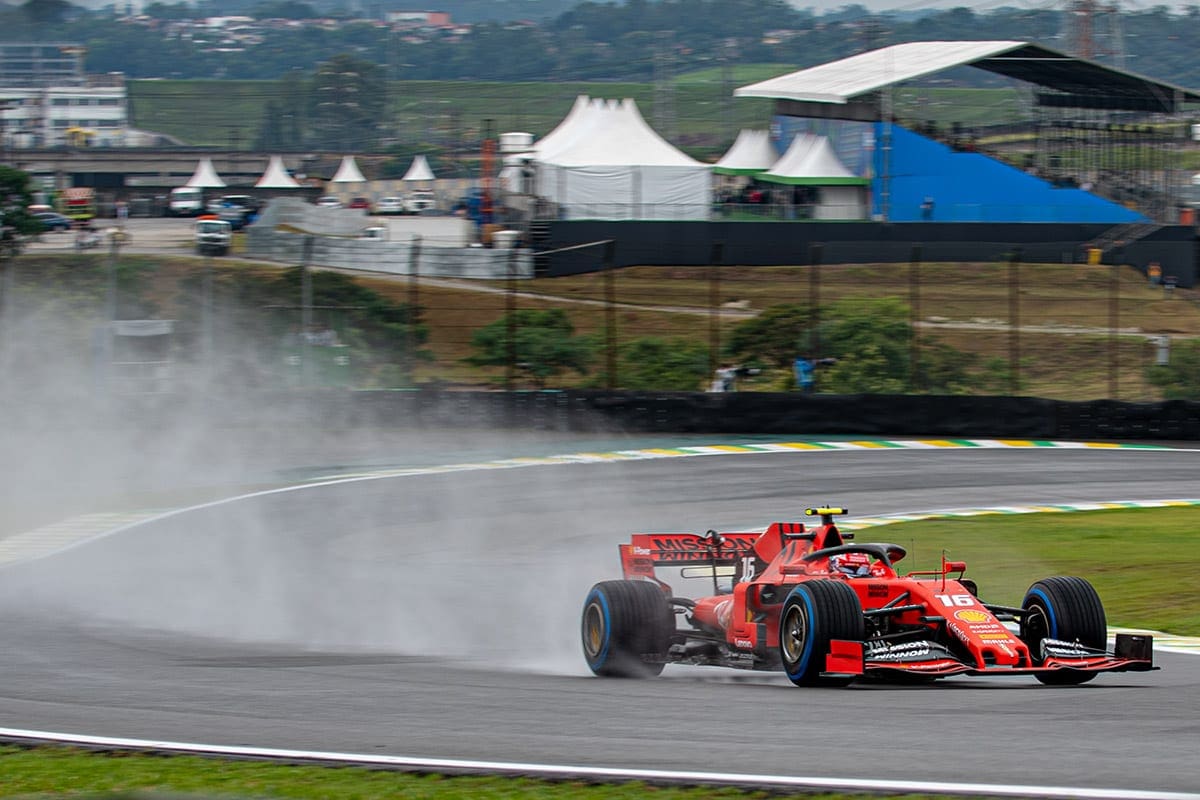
1067 609
814 614
627 627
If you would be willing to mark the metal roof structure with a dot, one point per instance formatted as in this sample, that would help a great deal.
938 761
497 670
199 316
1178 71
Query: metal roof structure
1071 82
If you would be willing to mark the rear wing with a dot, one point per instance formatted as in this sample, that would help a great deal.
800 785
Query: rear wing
646 551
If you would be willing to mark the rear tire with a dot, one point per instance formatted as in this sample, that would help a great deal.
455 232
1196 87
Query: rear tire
1067 609
626 627
814 614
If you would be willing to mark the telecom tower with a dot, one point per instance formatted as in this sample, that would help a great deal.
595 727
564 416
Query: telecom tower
1092 30
664 86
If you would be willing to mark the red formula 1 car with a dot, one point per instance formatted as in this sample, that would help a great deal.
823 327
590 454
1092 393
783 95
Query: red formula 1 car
830 611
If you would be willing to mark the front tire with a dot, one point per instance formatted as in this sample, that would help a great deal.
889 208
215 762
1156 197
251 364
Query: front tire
814 614
626 628
1067 609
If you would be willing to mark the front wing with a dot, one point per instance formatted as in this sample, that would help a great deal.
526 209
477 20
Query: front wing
1131 653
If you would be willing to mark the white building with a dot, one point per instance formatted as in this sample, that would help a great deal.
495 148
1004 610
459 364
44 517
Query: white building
46 100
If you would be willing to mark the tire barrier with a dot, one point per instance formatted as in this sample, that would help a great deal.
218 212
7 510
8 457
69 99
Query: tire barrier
596 411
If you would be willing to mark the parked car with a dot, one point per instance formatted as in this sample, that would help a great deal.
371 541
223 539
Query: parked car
239 210
359 202
213 236
390 205
329 201
420 201
53 221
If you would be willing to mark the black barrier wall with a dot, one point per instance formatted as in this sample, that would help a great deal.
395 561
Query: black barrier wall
755 244
694 412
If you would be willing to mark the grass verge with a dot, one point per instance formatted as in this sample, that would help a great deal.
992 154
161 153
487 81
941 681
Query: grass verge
47 772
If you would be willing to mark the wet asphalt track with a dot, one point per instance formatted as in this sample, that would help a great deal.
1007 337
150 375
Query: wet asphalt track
437 616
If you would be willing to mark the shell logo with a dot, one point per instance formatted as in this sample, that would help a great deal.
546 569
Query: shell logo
973 615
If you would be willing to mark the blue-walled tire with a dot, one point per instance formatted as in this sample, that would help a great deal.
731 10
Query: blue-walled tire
814 614
626 628
1067 609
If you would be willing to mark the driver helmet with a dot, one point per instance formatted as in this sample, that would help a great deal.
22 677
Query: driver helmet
856 565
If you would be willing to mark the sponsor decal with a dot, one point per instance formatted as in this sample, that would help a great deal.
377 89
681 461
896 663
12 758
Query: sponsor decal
877 590
909 651
992 637
640 551
723 612
973 615
934 665
962 635
693 548
745 644
1060 649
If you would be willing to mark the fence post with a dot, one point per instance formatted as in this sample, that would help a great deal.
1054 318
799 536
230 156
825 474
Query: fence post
414 312
510 318
715 260
815 252
915 381
610 315
1014 321
1114 324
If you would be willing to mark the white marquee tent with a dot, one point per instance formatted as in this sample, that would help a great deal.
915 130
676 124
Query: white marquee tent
348 172
205 176
751 153
605 162
419 170
834 191
276 176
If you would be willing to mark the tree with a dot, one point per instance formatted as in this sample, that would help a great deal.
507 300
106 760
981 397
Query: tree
46 12
15 220
669 364
1180 379
542 345
776 336
872 341
284 9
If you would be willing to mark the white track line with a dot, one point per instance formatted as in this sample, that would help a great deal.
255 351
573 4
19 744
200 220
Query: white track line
560 772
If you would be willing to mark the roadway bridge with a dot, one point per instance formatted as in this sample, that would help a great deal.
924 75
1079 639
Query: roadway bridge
134 169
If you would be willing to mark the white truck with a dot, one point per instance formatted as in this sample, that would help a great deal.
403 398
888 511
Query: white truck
213 237
185 201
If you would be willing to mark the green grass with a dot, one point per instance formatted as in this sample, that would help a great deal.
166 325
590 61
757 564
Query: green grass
1141 561
222 113
230 113
60 772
